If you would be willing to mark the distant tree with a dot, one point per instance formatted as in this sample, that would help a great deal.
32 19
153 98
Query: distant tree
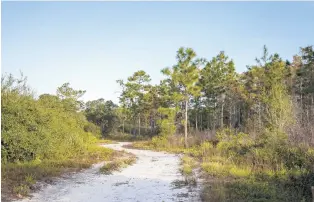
71 97
185 76
104 114
133 93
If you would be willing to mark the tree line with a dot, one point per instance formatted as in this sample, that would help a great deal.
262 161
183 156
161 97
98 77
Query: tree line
200 95
197 96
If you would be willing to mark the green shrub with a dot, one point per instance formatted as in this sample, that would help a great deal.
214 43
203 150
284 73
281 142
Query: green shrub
44 128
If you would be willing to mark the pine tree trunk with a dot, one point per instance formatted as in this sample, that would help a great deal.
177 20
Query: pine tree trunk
234 115
186 124
259 116
123 126
312 104
301 101
196 122
239 112
208 121
222 116
201 126
230 117
214 118
139 124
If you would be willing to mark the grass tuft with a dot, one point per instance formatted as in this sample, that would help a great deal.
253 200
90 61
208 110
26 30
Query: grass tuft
117 165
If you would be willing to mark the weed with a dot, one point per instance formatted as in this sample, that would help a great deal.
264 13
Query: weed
117 165
21 190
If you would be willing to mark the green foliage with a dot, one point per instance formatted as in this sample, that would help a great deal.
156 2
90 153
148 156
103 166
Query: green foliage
188 164
184 77
44 128
134 97
159 142
104 114
22 190
70 97
166 123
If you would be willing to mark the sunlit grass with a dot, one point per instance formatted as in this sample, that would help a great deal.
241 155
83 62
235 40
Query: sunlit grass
117 165
239 172
188 164
215 169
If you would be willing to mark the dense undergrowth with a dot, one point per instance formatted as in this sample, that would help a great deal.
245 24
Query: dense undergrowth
237 167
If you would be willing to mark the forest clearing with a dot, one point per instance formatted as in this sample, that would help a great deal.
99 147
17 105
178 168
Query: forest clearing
158 101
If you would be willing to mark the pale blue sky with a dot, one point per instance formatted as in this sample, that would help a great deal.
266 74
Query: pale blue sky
92 44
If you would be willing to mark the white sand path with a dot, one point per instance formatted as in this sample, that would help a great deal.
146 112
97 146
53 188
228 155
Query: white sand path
150 179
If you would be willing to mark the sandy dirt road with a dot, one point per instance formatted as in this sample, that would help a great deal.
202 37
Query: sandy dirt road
153 178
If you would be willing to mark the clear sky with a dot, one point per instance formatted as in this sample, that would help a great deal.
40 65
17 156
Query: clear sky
92 44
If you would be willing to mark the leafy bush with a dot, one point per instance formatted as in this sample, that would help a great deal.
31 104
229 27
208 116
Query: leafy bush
49 127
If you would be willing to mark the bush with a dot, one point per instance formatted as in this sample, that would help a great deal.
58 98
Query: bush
45 128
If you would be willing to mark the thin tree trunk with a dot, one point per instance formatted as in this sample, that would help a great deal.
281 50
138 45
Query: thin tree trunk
201 126
259 116
238 114
301 100
307 114
123 126
311 107
139 124
234 115
230 117
151 125
222 116
214 118
196 122
134 126
186 124
208 121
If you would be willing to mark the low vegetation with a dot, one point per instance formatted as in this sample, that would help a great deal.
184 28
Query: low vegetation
236 168
117 165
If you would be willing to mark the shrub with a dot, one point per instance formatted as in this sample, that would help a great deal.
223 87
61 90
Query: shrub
45 128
